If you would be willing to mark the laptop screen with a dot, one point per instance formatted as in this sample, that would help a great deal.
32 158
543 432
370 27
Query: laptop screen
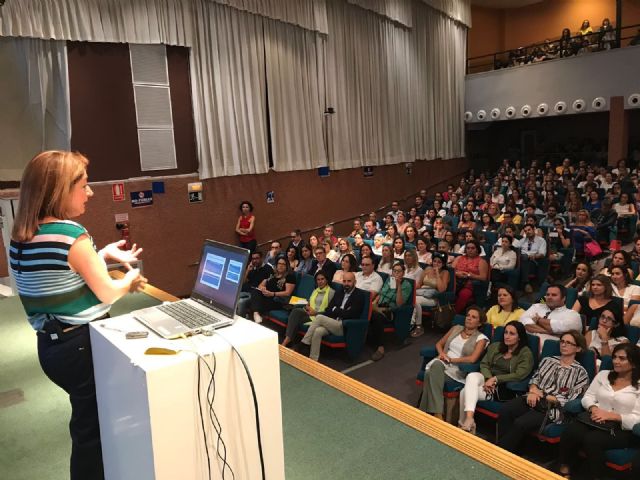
220 276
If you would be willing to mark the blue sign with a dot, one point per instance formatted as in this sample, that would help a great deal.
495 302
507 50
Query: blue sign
143 198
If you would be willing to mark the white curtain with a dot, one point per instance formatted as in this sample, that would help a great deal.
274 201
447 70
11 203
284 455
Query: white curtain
397 91
368 85
295 79
396 10
34 94
458 10
438 83
230 100
308 14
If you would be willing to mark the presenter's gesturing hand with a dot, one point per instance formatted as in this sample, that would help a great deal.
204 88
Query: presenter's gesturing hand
114 252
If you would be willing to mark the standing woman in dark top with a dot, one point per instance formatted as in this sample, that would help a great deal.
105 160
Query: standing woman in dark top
273 292
599 299
245 227
63 284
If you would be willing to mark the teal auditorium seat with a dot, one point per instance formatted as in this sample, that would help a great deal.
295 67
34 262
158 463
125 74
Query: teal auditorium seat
552 432
355 332
444 298
401 322
491 408
618 459
305 284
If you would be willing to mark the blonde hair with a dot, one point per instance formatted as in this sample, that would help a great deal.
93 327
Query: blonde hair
45 187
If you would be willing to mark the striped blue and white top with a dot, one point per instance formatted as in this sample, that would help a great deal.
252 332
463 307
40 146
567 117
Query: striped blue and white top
45 281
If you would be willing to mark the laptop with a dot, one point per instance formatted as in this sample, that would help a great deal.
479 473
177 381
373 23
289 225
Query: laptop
213 300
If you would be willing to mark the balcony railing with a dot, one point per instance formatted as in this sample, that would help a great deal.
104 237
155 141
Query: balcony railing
550 50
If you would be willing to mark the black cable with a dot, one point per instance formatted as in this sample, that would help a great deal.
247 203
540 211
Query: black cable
255 401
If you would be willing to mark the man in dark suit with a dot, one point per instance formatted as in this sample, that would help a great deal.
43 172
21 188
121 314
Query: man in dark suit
322 263
345 305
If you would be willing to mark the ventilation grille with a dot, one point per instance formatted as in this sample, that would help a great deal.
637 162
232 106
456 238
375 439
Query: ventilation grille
149 64
157 148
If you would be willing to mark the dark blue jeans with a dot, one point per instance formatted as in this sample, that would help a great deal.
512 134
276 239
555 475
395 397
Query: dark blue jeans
67 362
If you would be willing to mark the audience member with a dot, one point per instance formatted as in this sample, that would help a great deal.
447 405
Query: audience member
386 260
292 257
468 267
549 320
395 292
346 304
318 303
556 381
322 263
504 258
612 410
245 227
327 234
604 219
273 292
461 344
599 299
305 264
296 241
508 360
435 279
348 264
622 286
274 253
507 309
608 333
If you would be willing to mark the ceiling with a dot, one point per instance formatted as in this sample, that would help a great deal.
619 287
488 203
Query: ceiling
503 3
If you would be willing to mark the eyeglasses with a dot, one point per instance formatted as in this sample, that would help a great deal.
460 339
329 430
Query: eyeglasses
605 318
566 342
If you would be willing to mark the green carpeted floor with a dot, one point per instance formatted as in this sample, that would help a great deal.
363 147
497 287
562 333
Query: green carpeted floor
326 434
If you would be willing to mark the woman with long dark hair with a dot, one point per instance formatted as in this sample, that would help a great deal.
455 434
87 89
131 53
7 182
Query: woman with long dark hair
509 360
613 408
245 227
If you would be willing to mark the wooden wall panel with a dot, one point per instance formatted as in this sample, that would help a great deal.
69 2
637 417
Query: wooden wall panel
172 230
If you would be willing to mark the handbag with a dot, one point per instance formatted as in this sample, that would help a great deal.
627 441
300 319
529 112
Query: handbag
443 316
607 426
592 249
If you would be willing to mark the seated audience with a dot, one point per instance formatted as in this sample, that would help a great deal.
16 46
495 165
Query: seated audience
348 264
604 219
344 248
469 236
357 228
487 223
504 258
327 234
331 254
395 292
378 241
468 267
551 319
507 309
386 260
398 248
423 251
608 334
410 235
292 257
274 252
461 344
367 279
583 230
435 279
305 264
619 258
556 381
466 221
367 251
635 253
322 263
509 360
611 401
371 230
622 286
346 304
318 303
255 274
274 292
599 299
581 279
412 268
392 233
296 240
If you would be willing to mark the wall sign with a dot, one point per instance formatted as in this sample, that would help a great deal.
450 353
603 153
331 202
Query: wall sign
143 198
271 197
195 192
117 192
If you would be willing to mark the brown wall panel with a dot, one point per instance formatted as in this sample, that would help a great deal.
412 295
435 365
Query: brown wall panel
103 116
502 29
172 231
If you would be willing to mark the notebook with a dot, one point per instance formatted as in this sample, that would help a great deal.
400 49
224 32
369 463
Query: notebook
213 300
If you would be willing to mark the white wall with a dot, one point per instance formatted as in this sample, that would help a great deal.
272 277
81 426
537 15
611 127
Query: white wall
601 74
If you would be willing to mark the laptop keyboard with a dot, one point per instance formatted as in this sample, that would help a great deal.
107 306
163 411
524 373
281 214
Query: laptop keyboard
188 315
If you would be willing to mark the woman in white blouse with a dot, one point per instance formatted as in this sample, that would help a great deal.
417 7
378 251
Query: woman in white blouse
504 258
622 286
613 405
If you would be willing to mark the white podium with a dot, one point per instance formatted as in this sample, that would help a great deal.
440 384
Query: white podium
148 405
